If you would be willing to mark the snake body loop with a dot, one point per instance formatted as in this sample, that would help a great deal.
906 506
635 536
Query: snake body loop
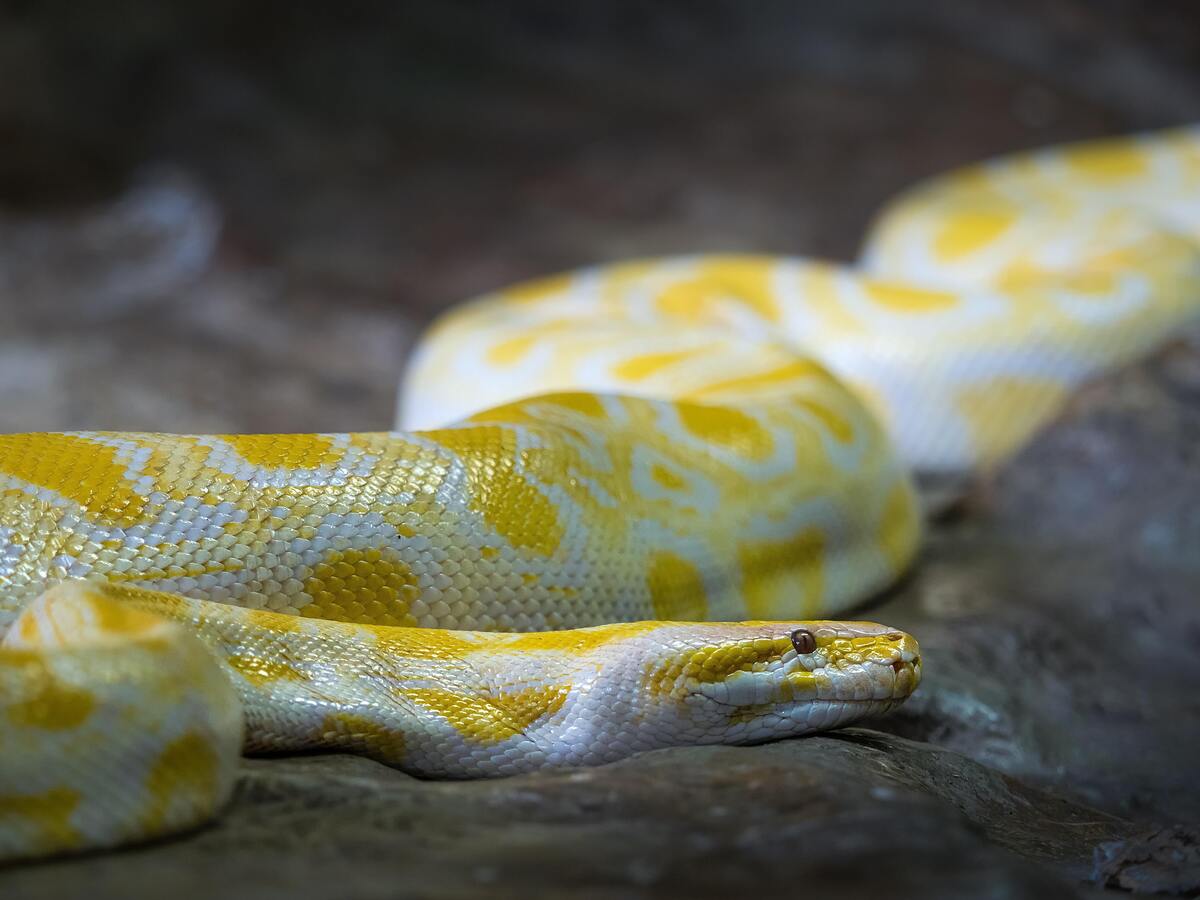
630 495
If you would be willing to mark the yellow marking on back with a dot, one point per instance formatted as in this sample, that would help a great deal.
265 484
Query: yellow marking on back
116 617
349 731
780 576
259 670
510 352
742 280
668 478
679 673
371 586
290 451
902 298
52 704
538 289
642 367
1106 161
899 526
575 641
835 423
496 717
1003 411
580 402
961 234
81 470
509 503
726 427
49 812
676 588
183 777
802 368
422 643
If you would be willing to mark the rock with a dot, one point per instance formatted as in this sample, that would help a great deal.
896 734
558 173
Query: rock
1054 616
846 813
1161 861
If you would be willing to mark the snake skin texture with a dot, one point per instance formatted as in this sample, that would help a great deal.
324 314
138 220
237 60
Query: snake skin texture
629 497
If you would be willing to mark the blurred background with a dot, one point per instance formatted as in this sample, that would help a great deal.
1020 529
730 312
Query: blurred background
228 216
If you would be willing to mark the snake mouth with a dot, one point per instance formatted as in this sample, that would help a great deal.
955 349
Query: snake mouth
761 706
890 673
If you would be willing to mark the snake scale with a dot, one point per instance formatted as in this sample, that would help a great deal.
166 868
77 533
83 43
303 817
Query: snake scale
656 478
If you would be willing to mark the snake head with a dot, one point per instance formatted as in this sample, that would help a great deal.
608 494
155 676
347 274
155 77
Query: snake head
743 683
593 695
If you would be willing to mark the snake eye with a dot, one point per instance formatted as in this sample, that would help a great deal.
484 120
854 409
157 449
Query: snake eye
803 641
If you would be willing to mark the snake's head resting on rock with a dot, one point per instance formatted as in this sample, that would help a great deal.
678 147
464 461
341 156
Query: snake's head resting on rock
748 682
622 688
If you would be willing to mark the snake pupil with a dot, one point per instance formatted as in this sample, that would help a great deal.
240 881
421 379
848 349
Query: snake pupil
803 641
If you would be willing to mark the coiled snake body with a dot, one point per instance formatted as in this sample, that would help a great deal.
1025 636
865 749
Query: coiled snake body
634 449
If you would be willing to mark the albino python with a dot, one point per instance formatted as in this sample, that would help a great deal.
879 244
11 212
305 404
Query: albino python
633 448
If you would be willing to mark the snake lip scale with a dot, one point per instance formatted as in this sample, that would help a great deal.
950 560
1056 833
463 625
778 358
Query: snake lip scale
626 506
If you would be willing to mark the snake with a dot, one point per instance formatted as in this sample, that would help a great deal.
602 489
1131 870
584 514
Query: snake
623 511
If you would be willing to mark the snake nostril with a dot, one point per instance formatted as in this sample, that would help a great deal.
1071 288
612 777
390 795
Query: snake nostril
898 665
894 636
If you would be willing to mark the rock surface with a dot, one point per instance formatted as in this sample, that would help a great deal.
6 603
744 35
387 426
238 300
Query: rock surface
845 812
369 171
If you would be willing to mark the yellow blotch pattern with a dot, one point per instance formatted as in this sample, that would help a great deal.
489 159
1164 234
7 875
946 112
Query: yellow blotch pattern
75 468
510 352
372 586
676 588
575 641
726 427
183 779
116 617
639 368
509 503
494 718
421 643
51 704
961 234
1108 162
587 404
908 299
539 289
783 578
801 368
348 731
835 423
711 664
50 812
259 670
667 478
1003 411
899 526
293 451
744 280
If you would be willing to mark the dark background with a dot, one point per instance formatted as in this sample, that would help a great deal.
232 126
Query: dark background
236 216
372 163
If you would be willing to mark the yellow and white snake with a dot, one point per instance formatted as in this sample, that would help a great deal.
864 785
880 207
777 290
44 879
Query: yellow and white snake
633 449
